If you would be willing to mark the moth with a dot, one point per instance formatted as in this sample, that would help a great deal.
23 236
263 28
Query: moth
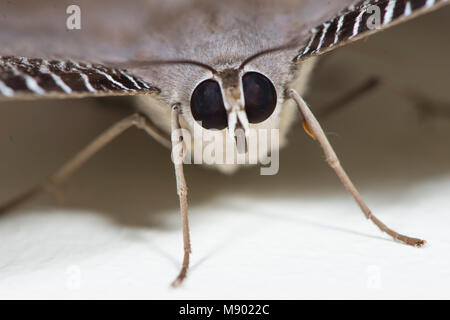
221 68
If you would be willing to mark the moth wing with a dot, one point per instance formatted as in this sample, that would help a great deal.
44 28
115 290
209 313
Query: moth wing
47 29
361 20
40 55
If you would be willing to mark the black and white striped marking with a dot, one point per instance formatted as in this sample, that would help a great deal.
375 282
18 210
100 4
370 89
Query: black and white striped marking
20 75
353 22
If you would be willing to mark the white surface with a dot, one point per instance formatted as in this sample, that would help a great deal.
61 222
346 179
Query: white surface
294 235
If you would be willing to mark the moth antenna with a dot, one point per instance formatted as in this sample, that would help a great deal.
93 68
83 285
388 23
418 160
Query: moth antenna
148 63
290 45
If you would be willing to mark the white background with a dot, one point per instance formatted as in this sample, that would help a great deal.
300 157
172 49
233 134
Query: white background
295 235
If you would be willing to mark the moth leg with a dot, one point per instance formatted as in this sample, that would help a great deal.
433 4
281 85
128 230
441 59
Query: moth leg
346 99
179 153
313 125
426 106
79 159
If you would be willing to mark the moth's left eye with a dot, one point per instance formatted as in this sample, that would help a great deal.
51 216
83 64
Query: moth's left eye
207 105
260 97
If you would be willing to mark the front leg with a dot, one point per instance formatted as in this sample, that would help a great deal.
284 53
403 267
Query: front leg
315 130
178 154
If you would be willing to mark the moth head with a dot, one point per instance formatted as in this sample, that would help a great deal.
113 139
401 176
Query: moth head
236 100
232 92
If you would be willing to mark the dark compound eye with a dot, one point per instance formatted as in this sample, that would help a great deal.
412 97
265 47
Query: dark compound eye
260 97
207 105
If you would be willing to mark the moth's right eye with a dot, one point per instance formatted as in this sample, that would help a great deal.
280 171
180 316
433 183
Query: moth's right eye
207 105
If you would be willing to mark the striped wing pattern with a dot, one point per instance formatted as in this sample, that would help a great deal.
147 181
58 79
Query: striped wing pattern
357 22
26 77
